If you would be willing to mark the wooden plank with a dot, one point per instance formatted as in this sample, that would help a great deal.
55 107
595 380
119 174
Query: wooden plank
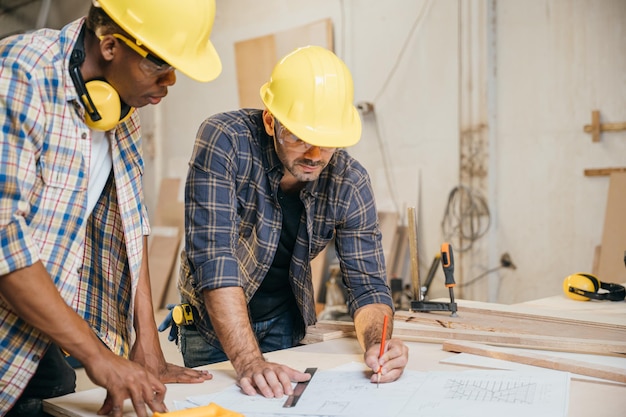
611 267
316 335
398 265
170 210
503 322
602 172
162 252
545 361
414 254
388 223
255 58
423 333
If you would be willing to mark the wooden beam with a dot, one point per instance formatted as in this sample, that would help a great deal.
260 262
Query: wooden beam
595 128
513 323
428 334
602 172
535 359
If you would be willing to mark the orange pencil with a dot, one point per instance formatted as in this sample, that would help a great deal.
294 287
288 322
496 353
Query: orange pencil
382 350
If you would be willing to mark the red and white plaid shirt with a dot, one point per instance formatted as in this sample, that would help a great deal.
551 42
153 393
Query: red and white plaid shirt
45 152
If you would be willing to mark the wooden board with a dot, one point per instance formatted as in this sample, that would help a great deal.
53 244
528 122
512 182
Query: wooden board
412 332
506 322
611 267
163 245
388 222
255 58
535 359
170 209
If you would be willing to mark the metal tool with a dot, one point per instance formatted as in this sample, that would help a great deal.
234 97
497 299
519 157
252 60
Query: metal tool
431 275
447 263
299 389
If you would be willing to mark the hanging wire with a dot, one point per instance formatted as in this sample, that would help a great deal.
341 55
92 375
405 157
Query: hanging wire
421 17
466 218
369 109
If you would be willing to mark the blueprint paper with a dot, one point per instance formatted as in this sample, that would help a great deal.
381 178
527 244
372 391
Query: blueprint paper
347 391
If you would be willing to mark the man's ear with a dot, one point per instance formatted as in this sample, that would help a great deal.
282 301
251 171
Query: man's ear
108 47
268 122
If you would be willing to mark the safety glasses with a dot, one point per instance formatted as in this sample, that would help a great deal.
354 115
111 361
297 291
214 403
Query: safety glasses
289 140
151 65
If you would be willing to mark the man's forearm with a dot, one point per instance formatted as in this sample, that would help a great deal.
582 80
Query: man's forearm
144 323
45 310
368 324
228 311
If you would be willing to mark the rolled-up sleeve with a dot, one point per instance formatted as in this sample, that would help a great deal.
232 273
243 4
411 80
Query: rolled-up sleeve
20 110
359 248
211 211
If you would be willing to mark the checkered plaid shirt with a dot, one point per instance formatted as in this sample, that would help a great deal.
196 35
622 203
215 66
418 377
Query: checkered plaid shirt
45 151
233 219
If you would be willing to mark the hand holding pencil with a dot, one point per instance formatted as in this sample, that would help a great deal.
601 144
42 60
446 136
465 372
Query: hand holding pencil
383 338
385 356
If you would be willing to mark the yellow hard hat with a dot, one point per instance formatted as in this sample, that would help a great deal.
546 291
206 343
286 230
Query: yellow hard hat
310 92
176 31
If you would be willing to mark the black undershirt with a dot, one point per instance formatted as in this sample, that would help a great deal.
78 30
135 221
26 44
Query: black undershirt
275 296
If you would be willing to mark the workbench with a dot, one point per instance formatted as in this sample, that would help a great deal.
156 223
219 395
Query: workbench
587 398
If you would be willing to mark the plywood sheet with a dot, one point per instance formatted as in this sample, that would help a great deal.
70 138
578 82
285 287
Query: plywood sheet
611 266
255 58
162 249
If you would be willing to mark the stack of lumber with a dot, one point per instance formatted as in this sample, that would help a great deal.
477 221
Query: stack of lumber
500 327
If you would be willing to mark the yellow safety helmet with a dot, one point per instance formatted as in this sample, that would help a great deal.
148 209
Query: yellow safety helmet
310 92
176 31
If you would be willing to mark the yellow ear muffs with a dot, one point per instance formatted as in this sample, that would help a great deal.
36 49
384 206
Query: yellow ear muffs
103 107
108 105
582 287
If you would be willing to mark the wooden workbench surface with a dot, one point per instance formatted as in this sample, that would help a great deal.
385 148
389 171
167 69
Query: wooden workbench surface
586 398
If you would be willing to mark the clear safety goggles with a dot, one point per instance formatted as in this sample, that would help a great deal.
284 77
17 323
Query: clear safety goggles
291 141
151 65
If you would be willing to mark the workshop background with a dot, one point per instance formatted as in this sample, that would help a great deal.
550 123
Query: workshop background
473 113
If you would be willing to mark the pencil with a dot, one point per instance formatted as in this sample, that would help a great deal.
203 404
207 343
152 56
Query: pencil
382 350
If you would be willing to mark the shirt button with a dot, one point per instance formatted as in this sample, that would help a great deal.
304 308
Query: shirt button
84 135
36 358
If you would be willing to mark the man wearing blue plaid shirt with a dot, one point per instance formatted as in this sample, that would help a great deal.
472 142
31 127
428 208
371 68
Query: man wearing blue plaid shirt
266 191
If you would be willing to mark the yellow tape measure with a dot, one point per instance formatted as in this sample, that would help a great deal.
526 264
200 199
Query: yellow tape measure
182 314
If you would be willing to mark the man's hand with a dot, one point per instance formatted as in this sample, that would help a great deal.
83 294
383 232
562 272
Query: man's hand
178 374
124 379
393 361
151 357
269 379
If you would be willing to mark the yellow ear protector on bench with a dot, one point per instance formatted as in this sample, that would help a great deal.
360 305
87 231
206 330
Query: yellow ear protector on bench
583 287
103 107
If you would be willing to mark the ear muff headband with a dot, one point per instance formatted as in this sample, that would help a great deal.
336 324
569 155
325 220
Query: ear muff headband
103 107
583 287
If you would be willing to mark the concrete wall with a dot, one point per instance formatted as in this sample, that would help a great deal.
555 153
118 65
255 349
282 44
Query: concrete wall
555 62
521 76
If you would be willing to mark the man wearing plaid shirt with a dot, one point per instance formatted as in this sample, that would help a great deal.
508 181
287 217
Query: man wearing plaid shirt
73 224
266 191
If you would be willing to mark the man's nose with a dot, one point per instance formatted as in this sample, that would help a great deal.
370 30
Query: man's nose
168 79
314 152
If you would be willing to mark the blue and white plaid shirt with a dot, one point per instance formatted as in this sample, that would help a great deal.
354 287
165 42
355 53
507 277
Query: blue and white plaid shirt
233 219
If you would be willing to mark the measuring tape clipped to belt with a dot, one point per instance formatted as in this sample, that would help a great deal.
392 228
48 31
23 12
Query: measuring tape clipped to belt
182 314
